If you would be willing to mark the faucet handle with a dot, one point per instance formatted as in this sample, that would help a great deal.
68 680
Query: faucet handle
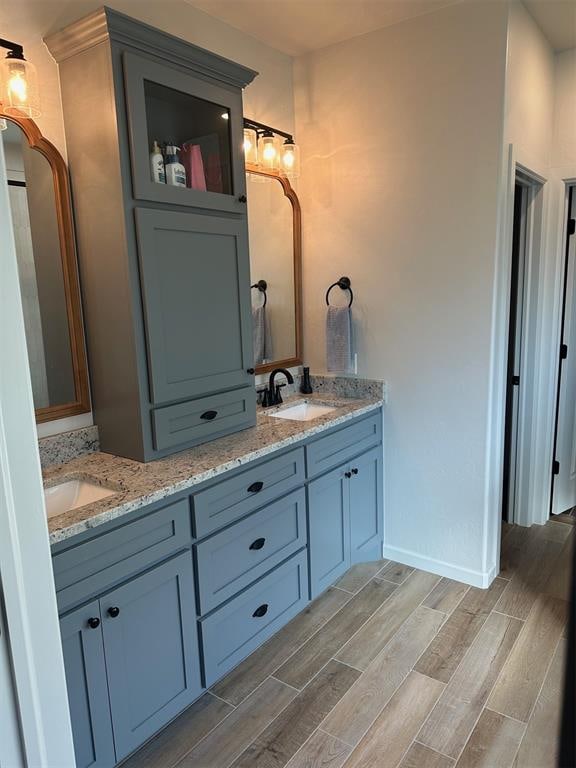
277 394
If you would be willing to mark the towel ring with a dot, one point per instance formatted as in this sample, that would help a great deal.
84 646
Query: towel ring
262 286
344 284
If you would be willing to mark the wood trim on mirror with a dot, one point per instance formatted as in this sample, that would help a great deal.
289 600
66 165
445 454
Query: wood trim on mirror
69 271
289 192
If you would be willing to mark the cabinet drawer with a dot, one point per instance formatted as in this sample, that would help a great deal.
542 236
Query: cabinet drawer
198 420
239 627
92 566
234 558
338 447
231 499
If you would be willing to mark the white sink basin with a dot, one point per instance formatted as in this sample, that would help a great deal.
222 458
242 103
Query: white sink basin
302 412
72 494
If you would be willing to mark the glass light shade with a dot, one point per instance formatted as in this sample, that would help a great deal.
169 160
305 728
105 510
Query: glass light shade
268 153
290 160
19 94
250 146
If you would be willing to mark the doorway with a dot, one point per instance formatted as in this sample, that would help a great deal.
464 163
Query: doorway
564 466
515 348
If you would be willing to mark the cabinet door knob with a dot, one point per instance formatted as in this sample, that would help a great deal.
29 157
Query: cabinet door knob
258 544
348 475
242 198
113 612
251 371
262 610
256 487
94 622
209 415
355 471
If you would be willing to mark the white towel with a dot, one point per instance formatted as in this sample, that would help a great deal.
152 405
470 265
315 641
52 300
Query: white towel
261 335
338 339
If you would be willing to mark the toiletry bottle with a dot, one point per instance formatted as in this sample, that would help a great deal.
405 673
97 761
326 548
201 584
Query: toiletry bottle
175 171
306 386
157 164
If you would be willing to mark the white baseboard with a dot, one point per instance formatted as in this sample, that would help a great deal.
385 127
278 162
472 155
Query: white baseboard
474 578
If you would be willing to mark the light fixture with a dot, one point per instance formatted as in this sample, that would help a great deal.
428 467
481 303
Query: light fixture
271 155
19 94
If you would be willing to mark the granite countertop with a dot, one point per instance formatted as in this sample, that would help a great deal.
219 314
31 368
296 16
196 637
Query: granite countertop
140 484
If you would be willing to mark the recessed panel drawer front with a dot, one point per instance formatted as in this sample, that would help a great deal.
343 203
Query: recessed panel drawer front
335 449
232 632
197 420
231 560
92 566
231 499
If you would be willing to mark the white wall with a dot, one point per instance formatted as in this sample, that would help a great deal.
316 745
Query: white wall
401 131
564 148
268 99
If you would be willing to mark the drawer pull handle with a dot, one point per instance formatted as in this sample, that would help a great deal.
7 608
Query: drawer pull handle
113 612
348 475
355 471
209 415
94 622
262 610
258 544
256 487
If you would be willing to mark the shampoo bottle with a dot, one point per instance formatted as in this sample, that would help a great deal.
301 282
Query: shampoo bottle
175 171
157 164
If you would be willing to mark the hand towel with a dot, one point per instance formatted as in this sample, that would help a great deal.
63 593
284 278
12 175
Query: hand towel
338 339
261 335
191 159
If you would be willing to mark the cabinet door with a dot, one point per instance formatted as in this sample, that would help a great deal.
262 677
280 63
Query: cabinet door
366 506
195 278
204 120
329 529
150 636
87 691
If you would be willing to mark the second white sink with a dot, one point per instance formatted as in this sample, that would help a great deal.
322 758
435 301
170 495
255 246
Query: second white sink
302 412
72 494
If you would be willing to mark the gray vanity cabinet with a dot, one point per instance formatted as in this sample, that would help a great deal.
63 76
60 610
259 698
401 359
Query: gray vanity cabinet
195 280
366 506
83 650
164 269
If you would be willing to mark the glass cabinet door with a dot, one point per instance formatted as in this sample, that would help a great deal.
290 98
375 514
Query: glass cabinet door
185 137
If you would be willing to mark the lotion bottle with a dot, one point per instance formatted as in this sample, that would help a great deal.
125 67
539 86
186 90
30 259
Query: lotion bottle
175 171
157 164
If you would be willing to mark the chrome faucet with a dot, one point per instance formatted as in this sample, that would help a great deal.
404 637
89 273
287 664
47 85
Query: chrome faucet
271 395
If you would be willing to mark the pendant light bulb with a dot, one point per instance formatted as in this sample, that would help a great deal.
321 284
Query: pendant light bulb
19 94
267 151
250 146
290 159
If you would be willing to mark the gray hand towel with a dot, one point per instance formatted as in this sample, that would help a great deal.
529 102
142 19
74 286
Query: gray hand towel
261 335
338 339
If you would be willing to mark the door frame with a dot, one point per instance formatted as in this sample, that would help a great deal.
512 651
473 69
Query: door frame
32 629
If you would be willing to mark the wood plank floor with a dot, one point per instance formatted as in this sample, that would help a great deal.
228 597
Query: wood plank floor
397 668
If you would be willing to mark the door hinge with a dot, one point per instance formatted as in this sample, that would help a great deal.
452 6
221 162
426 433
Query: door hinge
563 351
571 226
555 467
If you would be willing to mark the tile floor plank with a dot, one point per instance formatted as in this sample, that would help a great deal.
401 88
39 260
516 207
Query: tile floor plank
321 751
394 730
519 683
229 739
539 747
419 756
453 718
395 572
446 595
366 644
359 575
291 729
493 743
357 710
171 744
448 648
300 668
256 668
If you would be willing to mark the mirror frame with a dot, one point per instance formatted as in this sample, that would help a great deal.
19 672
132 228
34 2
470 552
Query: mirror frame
290 362
65 222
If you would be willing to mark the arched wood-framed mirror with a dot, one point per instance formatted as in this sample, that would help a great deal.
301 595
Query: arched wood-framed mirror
275 230
39 192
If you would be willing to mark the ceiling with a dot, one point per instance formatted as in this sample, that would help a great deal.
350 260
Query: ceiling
299 26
